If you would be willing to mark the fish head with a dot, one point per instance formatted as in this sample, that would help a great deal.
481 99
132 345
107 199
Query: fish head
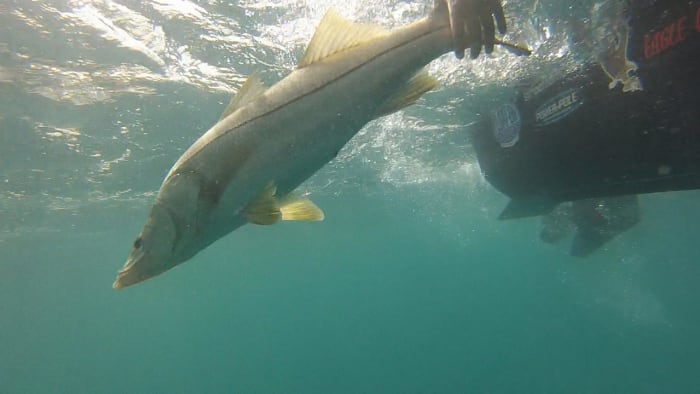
153 251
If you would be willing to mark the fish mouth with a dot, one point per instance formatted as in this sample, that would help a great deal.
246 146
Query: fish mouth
126 278
118 285
120 282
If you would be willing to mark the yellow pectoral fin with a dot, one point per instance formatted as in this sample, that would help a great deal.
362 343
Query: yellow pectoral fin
301 209
264 209
267 209
263 217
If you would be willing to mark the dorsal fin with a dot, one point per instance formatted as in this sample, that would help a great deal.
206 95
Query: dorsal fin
335 34
252 88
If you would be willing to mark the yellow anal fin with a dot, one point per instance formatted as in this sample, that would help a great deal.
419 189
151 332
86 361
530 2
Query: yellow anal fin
301 209
335 34
409 94
264 209
252 88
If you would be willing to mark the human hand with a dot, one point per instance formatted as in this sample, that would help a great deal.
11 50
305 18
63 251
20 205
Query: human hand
472 22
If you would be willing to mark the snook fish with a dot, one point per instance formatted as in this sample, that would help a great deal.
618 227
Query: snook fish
269 140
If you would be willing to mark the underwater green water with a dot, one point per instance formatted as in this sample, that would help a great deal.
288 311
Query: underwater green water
378 298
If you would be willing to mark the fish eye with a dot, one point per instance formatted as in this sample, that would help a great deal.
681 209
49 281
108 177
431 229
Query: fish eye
138 243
